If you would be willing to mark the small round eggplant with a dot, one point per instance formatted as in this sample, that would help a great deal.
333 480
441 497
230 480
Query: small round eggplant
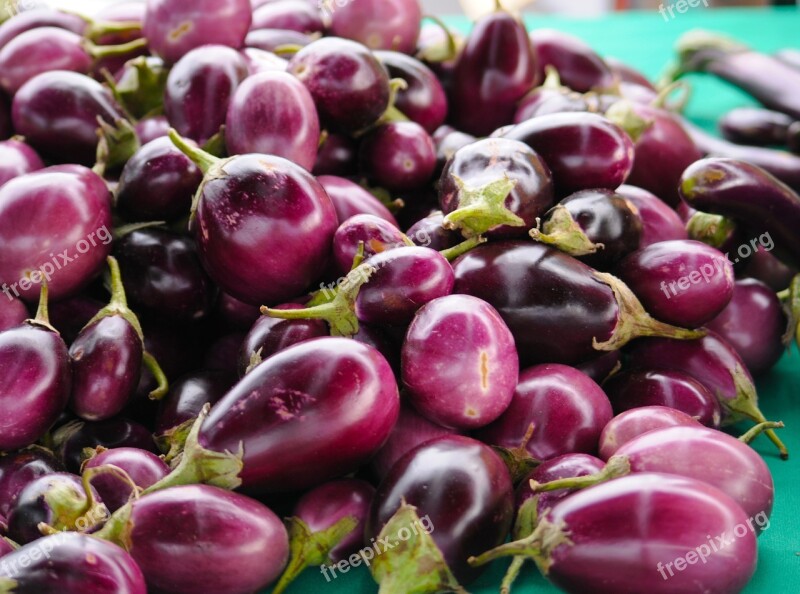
17 158
579 66
71 563
290 15
686 283
431 232
349 86
634 389
448 140
273 113
753 323
565 407
431 491
602 367
632 423
149 128
659 221
187 397
201 538
378 24
142 469
12 313
41 17
70 440
399 156
337 155
459 362
584 151
350 199
19 469
376 234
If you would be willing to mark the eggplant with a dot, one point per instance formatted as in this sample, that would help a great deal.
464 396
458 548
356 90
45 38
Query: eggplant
578 65
632 423
140 469
659 221
755 126
17 158
19 469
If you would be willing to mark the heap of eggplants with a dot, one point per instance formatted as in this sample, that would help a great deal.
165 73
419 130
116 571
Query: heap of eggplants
414 292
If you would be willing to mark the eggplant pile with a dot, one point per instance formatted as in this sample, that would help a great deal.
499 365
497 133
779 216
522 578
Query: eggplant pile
292 285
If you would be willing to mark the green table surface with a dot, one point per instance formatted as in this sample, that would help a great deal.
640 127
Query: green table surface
645 40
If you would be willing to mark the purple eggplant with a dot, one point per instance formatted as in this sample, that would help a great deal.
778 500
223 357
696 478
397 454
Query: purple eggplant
337 155
565 407
57 113
378 24
149 128
764 266
235 314
327 527
423 100
755 126
350 199
17 158
579 66
659 221
157 183
584 151
42 17
426 496
270 335
602 367
60 501
349 86
558 309
71 563
374 233
163 274
274 413
494 185
141 469
269 40
766 78
727 187
273 113
260 61
36 379
290 15
20 468
553 97
70 440
636 388
460 365
753 323
626 73
431 232
686 283
634 422
399 156
666 523
173 27
201 538
199 90
495 69
448 140
291 222
187 397
663 148
597 226
716 365
12 313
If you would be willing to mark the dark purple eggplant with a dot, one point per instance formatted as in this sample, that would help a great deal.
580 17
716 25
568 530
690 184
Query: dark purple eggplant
141 469
448 140
71 563
727 187
70 440
290 15
753 323
584 151
602 367
263 250
199 90
349 86
637 388
337 155
157 183
659 221
398 156
552 97
57 113
17 158
350 199
495 69
578 65
235 314
686 283
715 364
755 126
431 232
36 379
634 422
597 226
201 538
429 492
770 81
494 186
566 409
378 24
558 309
764 266
273 113
466 337
187 397
20 468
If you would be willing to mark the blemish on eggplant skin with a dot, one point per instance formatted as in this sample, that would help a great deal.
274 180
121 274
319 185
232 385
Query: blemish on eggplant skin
180 30
484 370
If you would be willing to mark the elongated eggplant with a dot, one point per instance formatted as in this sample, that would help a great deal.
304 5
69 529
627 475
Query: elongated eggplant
754 126
579 66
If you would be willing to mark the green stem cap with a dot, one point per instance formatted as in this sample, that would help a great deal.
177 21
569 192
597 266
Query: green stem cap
483 208
562 231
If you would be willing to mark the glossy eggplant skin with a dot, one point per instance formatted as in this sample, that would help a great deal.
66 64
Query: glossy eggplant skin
40 17
634 422
494 70
12 313
728 187
552 304
579 66
197 538
188 395
72 439
72 563
755 126
20 468
312 412
659 221
144 469
35 383
489 160
656 517
350 199
584 151
450 479
17 158
57 114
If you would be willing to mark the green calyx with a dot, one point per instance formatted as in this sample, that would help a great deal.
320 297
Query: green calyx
623 114
616 467
518 460
444 52
72 510
562 231
482 208
141 89
116 144
713 230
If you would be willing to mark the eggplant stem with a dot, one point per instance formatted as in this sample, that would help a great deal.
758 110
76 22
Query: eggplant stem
97 30
462 248
483 208
564 233
615 467
118 304
757 430
450 47
511 574
162 386
205 161
98 52
42 318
